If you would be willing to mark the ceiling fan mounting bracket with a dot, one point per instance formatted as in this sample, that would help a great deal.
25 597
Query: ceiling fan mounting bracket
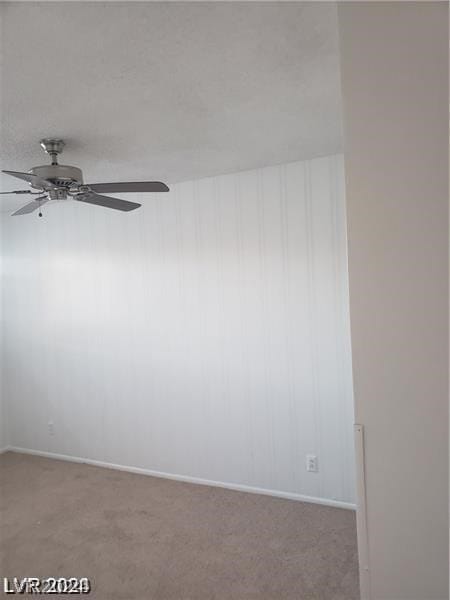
52 147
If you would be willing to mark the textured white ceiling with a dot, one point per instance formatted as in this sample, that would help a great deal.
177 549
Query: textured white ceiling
168 90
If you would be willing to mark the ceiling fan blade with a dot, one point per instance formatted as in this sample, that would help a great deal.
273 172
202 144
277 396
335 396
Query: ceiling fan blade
19 192
129 186
36 181
31 206
106 201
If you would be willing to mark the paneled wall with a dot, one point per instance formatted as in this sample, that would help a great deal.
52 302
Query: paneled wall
205 335
4 439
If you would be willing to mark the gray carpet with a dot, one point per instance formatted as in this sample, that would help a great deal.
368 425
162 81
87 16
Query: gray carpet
144 538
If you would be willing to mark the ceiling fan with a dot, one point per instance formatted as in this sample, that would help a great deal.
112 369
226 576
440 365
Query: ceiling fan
59 182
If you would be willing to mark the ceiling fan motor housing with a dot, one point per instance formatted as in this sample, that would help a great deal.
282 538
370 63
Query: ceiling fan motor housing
60 175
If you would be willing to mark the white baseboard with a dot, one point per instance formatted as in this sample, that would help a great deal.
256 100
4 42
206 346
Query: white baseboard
5 449
187 479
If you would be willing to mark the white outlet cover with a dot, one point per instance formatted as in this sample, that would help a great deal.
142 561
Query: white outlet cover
312 463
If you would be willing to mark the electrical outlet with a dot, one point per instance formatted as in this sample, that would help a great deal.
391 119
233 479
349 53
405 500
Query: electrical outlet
312 463
51 428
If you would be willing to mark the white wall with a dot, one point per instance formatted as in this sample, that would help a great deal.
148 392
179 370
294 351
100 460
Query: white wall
4 437
204 335
3 425
395 89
